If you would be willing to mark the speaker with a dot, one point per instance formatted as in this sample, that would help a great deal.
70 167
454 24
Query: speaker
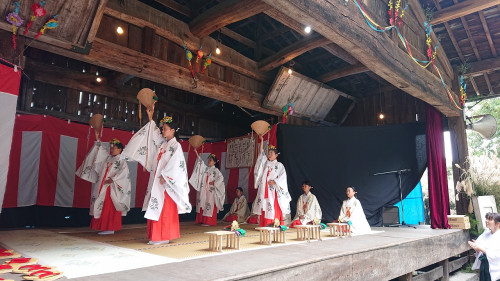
390 216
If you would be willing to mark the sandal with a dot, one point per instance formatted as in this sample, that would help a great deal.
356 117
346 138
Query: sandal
30 268
21 261
44 275
5 268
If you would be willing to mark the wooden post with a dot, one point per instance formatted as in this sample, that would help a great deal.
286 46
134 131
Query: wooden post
406 277
446 270
460 152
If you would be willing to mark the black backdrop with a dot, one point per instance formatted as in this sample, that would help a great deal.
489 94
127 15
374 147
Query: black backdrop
336 157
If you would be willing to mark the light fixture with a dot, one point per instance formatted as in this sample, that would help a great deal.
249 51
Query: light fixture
290 71
119 30
98 79
381 116
290 66
219 42
307 29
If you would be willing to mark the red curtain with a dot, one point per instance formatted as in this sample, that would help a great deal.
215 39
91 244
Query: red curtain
439 202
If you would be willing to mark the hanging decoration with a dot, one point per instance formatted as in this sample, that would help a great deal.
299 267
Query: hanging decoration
195 70
16 21
463 86
287 110
38 11
50 24
431 52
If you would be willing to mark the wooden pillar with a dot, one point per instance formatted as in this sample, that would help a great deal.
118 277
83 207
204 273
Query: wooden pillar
458 139
6 49
148 43
446 270
407 277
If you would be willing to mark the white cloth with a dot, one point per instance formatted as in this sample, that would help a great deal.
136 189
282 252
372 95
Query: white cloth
143 146
120 189
311 211
265 171
240 208
97 154
208 195
490 243
353 211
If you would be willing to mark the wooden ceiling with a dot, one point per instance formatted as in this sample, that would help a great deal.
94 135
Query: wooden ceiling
470 34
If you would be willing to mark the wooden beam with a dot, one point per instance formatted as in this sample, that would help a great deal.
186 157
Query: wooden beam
224 13
242 39
171 4
121 59
142 15
349 30
342 72
488 34
292 51
462 9
285 20
340 53
97 21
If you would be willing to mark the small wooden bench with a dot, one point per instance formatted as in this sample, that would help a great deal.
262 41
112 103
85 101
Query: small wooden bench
339 229
215 240
308 232
267 232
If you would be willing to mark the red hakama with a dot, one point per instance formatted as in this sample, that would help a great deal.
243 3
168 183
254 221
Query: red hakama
200 218
278 214
111 219
253 220
294 223
232 218
167 226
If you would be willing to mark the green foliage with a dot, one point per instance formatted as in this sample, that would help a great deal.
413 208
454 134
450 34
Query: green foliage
477 145
468 269
488 189
476 229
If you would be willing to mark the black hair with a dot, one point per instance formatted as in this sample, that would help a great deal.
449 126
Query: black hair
306 182
497 218
490 216
240 189
275 150
119 145
173 125
215 160
354 190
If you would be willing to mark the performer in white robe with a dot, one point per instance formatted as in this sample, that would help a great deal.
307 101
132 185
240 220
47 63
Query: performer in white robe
168 189
239 210
208 181
352 212
487 247
308 207
110 197
273 198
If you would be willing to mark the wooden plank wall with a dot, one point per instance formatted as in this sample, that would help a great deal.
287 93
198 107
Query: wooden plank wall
397 106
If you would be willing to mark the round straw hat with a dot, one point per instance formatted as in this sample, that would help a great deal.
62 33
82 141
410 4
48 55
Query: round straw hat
196 141
260 127
147 97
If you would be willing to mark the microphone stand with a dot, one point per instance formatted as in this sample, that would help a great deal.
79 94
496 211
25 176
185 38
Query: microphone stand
398 172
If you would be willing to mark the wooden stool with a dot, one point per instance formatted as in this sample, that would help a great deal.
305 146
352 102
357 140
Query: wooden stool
308 232
266 232
339 229
215 240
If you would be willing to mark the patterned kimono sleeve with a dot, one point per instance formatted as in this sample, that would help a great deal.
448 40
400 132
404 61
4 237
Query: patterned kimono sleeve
196 179
313 209
220 190
143 146
121 187
259 168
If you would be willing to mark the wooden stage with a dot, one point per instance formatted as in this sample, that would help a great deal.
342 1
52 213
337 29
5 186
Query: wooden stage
387 254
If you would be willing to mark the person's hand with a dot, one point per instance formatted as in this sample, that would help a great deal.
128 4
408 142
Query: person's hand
261 137
162 180
149 111
108 181
271 182
301 217
196 151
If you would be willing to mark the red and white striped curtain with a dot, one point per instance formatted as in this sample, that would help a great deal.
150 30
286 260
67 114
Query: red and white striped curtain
46 152
10 79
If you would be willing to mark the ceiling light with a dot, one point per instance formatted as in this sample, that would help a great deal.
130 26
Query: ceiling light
290 71
381 116
119 30
307 29
98 79
217 51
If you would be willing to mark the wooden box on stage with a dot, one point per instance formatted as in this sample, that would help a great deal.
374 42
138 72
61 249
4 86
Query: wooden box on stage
459 221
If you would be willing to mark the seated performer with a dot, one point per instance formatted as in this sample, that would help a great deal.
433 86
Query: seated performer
273 198
239 210
352 213
110 199
308 207
168 189
487 247
211 191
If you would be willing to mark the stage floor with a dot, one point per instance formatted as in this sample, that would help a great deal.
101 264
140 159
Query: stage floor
84 255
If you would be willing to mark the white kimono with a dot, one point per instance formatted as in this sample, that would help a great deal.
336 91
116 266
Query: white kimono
143 146
209 196
491 243
240 208
265 171
308 206
353 211
98 154
120 189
